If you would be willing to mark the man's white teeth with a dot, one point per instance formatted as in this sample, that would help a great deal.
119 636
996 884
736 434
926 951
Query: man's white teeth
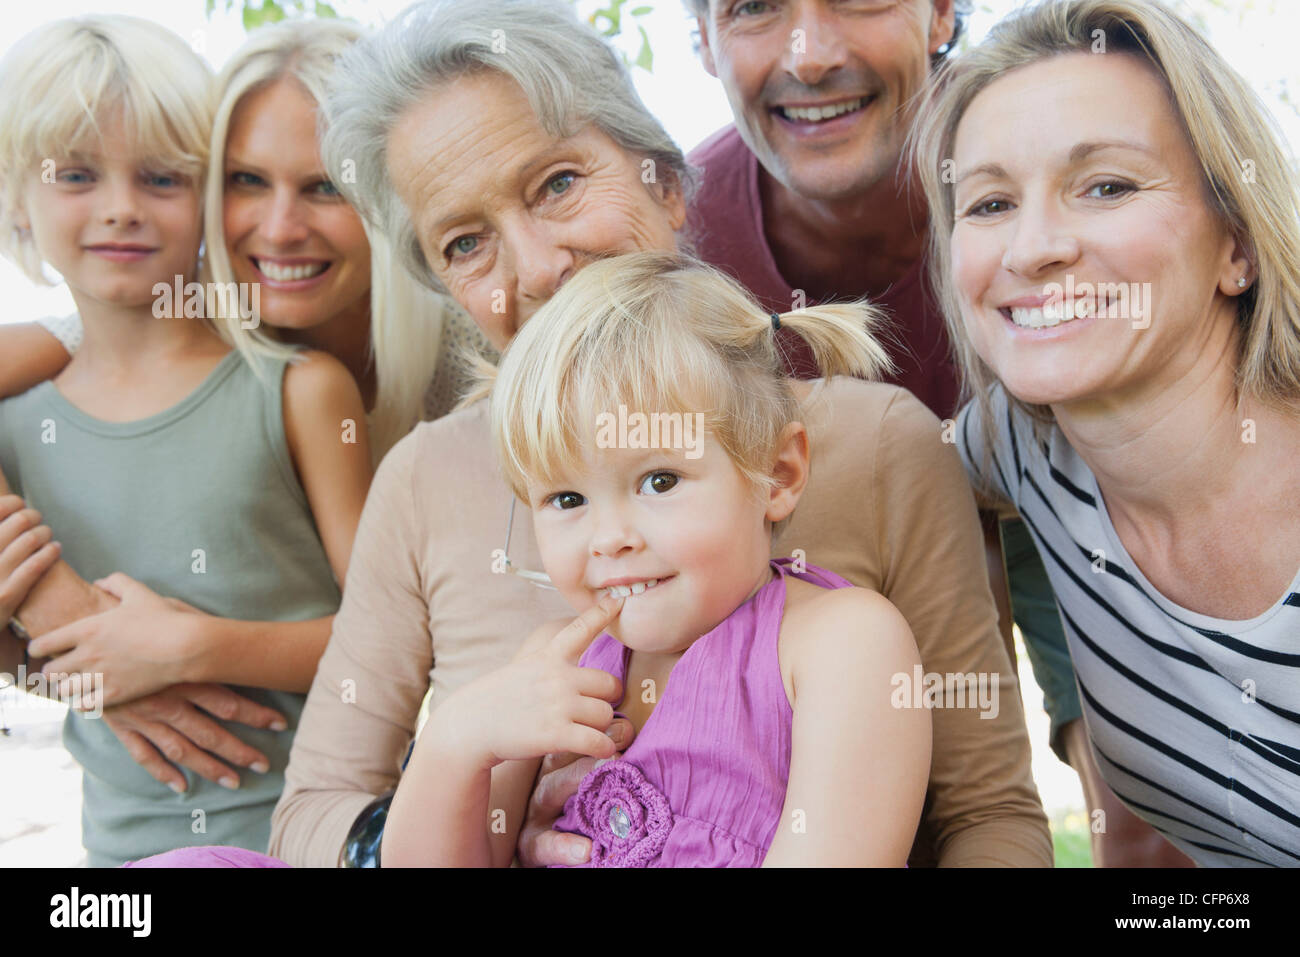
636 588
1052 314
290 273
818 113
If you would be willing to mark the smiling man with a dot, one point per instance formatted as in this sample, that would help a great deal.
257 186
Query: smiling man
807 199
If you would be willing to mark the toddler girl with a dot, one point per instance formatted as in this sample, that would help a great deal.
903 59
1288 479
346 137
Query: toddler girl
643 417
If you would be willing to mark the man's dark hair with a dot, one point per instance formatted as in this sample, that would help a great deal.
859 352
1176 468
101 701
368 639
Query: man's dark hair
961 10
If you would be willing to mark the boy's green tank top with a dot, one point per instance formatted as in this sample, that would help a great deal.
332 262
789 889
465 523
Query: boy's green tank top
201 503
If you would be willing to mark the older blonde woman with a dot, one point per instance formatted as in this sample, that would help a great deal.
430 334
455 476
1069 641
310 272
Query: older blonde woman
1115 235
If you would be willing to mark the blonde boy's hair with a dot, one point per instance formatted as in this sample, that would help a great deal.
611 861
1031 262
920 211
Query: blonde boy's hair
658 332
1230 132
60 82
406 319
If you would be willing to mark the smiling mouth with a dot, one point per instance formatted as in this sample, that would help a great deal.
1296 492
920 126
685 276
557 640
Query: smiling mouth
820 114
1049 314
291 273
635 588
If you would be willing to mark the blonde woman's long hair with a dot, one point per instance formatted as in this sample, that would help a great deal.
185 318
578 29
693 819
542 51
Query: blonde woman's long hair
660 331
406 320
1252 185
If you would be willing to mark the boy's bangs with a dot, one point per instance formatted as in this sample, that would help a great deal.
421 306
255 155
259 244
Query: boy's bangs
72 129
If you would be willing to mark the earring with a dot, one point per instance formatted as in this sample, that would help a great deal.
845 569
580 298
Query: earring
1241 283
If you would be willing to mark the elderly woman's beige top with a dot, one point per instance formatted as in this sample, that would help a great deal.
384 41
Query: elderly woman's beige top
888 507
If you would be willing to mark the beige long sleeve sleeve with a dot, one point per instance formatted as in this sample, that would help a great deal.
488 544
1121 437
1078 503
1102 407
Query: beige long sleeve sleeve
361 711
889 507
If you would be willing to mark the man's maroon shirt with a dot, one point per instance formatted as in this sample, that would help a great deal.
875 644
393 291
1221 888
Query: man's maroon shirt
726 222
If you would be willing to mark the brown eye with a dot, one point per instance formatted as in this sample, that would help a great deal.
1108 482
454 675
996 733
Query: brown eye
659 482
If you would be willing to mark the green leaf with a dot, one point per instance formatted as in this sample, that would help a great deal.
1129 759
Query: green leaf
325 10
646 58
642 11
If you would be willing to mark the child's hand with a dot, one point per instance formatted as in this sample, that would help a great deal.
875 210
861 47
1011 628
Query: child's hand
143 645
539 703
26 553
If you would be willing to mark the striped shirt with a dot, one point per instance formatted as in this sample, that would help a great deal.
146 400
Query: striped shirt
1194 721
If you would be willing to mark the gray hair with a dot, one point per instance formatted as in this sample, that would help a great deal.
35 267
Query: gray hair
571 77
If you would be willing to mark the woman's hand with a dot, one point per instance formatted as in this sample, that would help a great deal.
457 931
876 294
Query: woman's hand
169 726
540 845
143 645
26 553
539 703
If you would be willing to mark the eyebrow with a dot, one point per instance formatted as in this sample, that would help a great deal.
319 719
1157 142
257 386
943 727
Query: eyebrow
1078 154
547 155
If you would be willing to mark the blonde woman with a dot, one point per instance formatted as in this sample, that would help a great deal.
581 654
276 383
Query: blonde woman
1116 253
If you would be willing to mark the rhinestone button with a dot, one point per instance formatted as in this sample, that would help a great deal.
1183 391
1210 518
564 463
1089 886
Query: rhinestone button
619 822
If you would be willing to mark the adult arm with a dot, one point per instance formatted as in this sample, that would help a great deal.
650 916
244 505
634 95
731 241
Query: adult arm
983 808
363 705
29 354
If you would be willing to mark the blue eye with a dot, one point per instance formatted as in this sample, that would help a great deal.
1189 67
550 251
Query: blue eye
464 245
74 177
559 184
656 483
565 501
162 180
245 179
326 188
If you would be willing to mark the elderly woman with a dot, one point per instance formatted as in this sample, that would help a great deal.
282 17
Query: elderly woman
502 148
1116 252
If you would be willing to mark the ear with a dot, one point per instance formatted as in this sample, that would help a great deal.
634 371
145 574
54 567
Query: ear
943 24
1237 265
706 51
790 469
671 195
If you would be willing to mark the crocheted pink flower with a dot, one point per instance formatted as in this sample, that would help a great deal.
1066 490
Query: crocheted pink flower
625 815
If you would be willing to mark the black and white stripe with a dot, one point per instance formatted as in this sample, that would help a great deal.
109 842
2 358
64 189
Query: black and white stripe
1195 721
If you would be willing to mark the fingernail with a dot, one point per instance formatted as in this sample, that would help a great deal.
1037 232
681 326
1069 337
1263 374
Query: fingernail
261 767
577 854
600 762
279 726
232 783
178 788
616 733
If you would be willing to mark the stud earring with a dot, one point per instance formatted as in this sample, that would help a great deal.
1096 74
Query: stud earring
1241 283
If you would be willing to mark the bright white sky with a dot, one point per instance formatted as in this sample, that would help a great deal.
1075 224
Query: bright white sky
688 100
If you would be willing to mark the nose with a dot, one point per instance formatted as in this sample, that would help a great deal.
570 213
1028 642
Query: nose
542 263
614 532
284 224
1041 242
120 206
816 45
